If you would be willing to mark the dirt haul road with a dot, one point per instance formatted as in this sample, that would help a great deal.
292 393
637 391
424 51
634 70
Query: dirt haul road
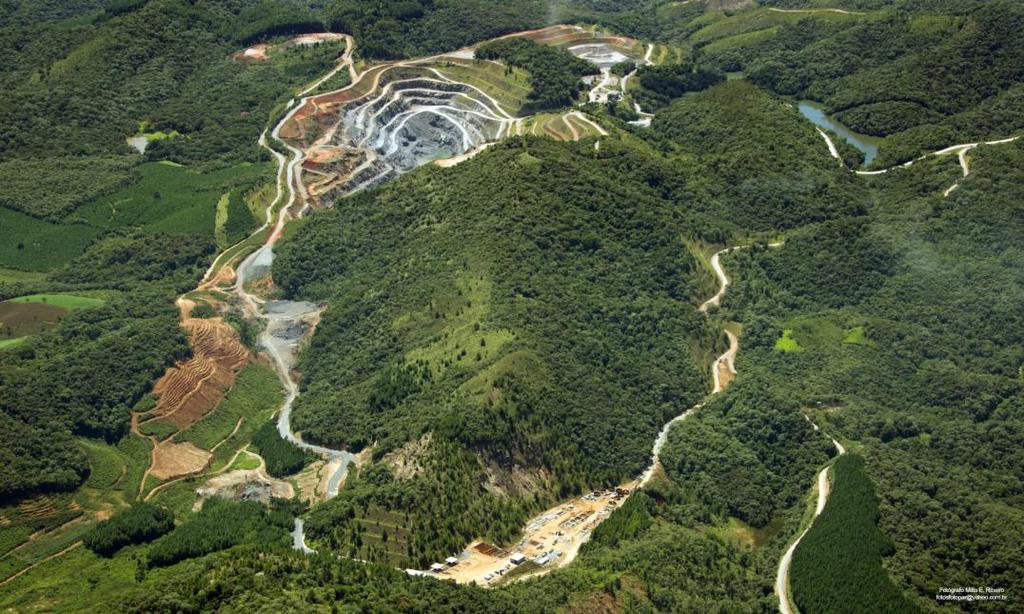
553 538
786 605
960 150
292 201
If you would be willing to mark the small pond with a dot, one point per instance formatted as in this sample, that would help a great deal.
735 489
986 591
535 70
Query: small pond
868 145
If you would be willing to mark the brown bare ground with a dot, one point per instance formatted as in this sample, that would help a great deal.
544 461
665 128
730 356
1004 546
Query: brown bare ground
310 39
174 459
512 481
725 374
224 277
233 484
309 479
405 461
323 105
39 508
190 390
193 388
543 35
256 53
564 527
18 319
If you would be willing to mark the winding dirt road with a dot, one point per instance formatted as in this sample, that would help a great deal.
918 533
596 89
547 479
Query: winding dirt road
786 605
727 360
960 150
840 11
290 193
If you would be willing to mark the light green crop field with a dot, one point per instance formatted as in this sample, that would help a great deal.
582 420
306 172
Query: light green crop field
761 19
857 336
741 40
245 461
14 275
77 582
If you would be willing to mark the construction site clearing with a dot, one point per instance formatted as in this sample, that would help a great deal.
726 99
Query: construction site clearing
549 541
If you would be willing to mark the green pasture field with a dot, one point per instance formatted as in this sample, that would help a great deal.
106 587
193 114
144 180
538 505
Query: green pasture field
786 343
64 301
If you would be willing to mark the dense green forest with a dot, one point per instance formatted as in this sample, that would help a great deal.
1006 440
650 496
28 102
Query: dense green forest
554 73
837 566
489 357
140 523
913 348
81 377
661 84
283 457
220 525
516 329
524 360
80 212
405 28
922 79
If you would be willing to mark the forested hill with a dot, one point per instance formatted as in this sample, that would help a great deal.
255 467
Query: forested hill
512 329
768 171
81 211
923 74
536 307
79 85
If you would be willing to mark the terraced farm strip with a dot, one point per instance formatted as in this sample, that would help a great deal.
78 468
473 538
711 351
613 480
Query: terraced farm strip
188 391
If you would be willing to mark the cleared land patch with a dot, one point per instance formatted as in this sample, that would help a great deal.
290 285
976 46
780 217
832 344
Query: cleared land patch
253 398
29 315
786 343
